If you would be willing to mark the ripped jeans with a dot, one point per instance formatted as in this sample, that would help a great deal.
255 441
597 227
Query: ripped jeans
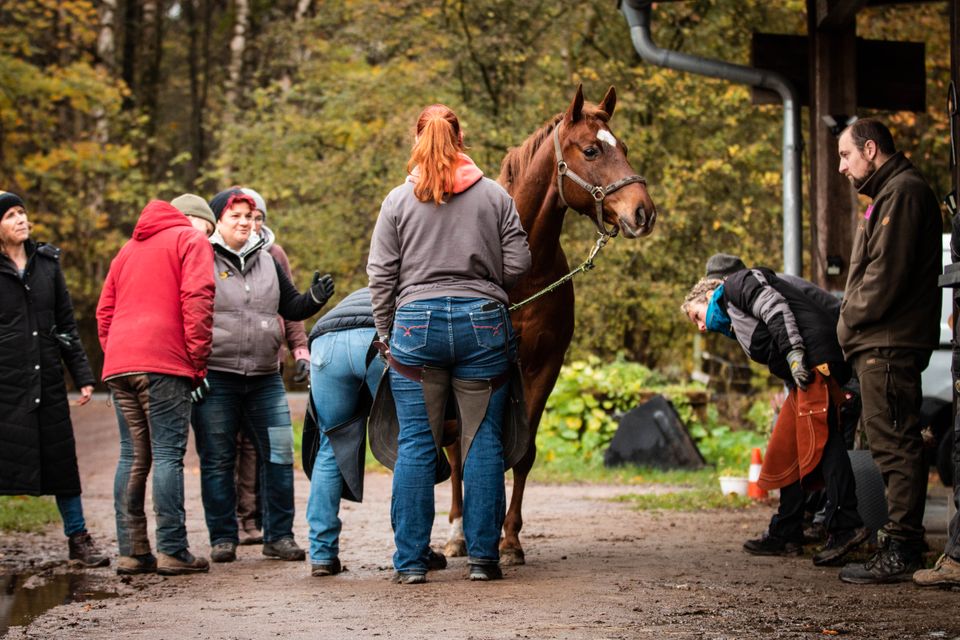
257 404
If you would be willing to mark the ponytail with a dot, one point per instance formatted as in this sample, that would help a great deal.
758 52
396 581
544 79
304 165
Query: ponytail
435 153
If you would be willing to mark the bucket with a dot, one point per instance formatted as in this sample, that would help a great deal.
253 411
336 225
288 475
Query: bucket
733 484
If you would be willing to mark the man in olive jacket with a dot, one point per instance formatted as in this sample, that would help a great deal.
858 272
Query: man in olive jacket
888 328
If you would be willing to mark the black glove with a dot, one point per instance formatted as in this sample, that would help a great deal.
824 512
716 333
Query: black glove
303 371
321 288
199 394
799 371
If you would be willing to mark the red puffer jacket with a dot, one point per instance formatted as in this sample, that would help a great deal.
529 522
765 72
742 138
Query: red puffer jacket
155 313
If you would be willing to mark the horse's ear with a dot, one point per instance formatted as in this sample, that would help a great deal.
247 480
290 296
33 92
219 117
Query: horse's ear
575 111
609 102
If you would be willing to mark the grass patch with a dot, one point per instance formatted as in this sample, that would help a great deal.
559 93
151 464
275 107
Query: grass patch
685 500
27 513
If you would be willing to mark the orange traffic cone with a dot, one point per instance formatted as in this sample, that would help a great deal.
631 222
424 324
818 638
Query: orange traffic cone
753 489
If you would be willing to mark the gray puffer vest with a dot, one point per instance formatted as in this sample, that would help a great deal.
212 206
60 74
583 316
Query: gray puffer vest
246 329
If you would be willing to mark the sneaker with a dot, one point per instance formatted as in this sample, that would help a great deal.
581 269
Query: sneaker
436 561
946 573
224 552
886 565
132 565
250 536
84 551
327 569
180 563
284 548
767 545
840 544
409 578
485 572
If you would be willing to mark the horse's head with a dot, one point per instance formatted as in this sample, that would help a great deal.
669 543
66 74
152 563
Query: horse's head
594 175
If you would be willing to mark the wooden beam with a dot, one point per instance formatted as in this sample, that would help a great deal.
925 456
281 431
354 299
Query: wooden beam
833 81
832 14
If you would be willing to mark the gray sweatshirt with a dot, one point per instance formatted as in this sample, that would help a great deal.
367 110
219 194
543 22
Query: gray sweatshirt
471 246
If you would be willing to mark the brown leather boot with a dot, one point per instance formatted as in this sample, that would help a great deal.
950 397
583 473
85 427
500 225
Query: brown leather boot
84 551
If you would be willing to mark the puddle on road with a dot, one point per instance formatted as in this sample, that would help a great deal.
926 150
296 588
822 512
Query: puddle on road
23 597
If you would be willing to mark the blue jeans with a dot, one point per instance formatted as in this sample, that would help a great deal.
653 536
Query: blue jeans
338 371
458 335
71 512
258 405
153 413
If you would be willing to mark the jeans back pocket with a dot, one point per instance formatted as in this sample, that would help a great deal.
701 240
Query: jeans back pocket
490 329
410 330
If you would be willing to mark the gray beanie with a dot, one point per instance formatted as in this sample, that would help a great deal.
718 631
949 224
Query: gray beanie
194 206
721 265
258 199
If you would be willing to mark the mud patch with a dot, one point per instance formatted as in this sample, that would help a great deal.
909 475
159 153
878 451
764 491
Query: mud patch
23 597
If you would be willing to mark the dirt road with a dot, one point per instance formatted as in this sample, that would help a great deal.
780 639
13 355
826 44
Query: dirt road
595 569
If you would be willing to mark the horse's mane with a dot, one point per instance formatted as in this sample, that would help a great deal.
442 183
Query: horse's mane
519 159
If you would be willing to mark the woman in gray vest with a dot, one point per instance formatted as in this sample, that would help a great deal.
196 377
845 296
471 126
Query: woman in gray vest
244 388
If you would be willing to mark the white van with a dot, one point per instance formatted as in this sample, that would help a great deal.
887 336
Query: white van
937 382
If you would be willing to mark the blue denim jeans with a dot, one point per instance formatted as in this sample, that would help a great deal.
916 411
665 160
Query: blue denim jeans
338 371
458 335
153 413
71 512
258 405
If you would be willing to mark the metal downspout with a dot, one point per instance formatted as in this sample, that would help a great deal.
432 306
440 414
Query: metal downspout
637 13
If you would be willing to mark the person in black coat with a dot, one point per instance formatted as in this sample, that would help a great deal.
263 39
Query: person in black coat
781 326
37 451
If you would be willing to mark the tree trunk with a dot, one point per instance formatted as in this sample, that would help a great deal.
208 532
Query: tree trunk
131 36
238 45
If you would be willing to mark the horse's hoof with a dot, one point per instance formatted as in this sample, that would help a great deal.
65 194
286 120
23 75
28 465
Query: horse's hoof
511 557
455 549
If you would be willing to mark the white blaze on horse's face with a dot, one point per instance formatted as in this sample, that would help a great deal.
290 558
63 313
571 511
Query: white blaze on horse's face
605 136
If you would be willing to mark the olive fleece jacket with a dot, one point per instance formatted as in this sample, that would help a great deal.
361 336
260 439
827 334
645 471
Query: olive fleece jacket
891 299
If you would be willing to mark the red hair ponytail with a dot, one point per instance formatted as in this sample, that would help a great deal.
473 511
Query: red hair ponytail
435 153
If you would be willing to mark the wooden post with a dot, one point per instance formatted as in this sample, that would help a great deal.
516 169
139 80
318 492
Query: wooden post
833 91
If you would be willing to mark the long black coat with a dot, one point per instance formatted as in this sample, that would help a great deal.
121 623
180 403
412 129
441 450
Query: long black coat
37 450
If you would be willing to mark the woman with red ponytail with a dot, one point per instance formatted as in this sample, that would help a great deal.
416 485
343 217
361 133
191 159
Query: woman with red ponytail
446 248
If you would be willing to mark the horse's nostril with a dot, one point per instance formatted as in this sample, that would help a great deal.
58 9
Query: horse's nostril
641 216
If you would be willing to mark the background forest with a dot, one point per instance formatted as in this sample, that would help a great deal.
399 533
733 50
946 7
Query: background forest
106 105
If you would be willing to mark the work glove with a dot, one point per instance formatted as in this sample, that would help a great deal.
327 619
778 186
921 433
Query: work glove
303 371
799 371
199 394
321 288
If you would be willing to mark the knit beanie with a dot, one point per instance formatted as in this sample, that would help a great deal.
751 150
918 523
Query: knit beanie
222 201
721 265
8 201
258 199
194 206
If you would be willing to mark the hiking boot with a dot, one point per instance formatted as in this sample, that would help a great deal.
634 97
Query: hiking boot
767 545
890 564
331 568
132 565
224 552
485 572
250 536
180 563
436 561
840 544
84 551
284 549
409 578
815 533
946 573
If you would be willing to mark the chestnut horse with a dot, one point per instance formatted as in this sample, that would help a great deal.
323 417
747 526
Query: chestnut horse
573 161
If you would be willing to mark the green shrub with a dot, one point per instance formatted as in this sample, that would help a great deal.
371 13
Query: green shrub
580 417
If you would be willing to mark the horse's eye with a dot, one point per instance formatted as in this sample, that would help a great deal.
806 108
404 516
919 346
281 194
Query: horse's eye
591 152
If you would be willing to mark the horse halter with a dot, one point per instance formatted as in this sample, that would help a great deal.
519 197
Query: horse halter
598 192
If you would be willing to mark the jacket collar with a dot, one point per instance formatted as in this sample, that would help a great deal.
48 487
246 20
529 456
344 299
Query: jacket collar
241 257
896 164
